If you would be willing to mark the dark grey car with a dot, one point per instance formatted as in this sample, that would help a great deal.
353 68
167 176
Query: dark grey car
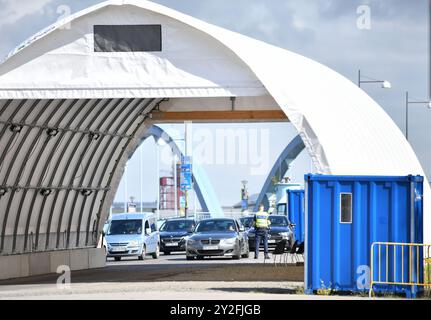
218 237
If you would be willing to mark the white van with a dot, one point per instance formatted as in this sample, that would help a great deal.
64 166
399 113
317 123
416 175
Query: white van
132 234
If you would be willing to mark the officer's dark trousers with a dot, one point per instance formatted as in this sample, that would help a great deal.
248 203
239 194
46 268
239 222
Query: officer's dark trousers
261 233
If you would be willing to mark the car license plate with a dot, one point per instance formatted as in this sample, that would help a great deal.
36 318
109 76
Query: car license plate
210 247
118 249
271 241
171 244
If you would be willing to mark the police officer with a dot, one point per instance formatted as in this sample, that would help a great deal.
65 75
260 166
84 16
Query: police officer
261 225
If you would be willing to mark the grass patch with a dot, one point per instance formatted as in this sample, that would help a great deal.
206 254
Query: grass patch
428 271
427 278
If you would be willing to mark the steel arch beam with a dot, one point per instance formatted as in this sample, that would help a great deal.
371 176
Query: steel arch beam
279 169
203 187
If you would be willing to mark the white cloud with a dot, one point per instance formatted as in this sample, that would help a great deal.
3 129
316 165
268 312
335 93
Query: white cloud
12 11
303 15
261 17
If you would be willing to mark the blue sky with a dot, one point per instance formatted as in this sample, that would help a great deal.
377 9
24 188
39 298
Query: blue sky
394 48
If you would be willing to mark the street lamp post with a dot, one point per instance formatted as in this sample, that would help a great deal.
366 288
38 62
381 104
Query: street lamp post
159 143
158 181
187 136
408 102
141 177
125 189
175 160
385 84
175 185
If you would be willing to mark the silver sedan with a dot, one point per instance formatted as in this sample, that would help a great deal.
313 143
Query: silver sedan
218 237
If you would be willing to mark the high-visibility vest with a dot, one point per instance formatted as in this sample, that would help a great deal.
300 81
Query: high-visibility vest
262 220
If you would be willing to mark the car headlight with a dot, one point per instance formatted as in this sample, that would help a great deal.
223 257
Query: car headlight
230 241
285 235
134 243
191 242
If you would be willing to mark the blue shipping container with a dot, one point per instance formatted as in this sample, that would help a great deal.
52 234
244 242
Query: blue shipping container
344 215
295 212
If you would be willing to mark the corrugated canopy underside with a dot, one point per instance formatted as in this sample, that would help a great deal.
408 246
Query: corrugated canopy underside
58 159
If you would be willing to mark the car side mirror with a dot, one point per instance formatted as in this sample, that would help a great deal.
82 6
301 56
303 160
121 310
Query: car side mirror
148 231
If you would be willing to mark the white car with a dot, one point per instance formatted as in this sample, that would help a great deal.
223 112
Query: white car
132 234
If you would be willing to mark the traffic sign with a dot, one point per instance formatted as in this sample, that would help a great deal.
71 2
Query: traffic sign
186 173
186 180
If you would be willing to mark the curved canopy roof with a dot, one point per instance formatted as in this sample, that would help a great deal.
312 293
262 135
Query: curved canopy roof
343 129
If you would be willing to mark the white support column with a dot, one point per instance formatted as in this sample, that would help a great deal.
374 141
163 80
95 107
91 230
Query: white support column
125 188
175 185
141 175
158 181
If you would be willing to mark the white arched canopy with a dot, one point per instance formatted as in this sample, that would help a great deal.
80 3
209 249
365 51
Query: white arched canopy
77 98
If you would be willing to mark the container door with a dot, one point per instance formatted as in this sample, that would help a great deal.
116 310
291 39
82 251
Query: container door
296 213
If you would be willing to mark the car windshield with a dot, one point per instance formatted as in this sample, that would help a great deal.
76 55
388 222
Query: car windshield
278 221
216 226
125 227
247 222
177 225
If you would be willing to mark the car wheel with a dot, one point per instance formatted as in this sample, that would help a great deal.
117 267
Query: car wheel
143 254
237 256
247 253
289 245
117 258
190 258
200 257
157 253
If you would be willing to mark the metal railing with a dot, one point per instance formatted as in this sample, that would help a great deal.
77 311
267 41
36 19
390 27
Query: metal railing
400 264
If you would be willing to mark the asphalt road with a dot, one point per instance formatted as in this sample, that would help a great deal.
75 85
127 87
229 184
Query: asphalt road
175 267
169 277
